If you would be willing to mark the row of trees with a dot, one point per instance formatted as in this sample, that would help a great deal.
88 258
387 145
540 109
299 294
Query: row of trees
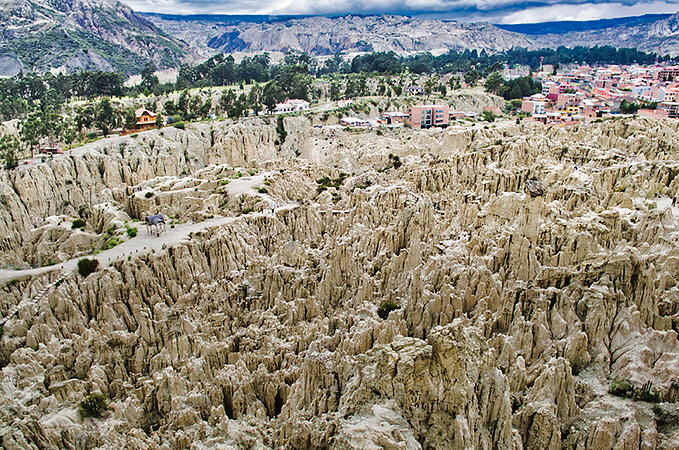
22 94
514 88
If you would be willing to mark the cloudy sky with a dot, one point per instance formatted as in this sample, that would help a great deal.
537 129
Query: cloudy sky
497 11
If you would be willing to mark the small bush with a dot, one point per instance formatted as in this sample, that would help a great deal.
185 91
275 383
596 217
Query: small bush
262 190
246 211
180 125
148 194
78 223
396 160
131 231
620 388
386 307
87 266
110 243
94 405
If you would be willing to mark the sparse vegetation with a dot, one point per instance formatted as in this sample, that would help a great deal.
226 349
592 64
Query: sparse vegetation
78 223
149 194
327 182
645 393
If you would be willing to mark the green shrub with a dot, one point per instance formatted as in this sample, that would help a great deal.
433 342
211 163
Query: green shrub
386 307
148 194
180 125
131 231
620 388
262 190
94 405
87 266
396 160
247 210
110 243
78 223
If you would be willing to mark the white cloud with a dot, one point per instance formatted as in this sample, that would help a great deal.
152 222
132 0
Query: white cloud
585 12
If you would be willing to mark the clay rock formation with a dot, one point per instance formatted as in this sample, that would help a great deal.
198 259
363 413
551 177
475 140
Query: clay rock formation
434 305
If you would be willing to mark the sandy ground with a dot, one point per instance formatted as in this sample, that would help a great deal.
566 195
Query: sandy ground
145 243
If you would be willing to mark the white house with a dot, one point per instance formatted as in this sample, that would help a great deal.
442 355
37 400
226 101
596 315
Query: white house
353 122
292 105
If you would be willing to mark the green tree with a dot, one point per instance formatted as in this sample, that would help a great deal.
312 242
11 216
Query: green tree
472 77
271 95
130 119
105 117
334 92
494 82
148 79
32 131
9 145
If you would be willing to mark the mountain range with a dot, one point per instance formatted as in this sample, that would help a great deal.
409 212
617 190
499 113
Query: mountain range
68 35
39 35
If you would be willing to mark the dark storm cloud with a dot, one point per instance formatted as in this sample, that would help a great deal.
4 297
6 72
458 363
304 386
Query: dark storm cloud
465 10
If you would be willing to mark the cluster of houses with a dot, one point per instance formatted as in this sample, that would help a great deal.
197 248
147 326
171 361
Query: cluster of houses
586 92
418 116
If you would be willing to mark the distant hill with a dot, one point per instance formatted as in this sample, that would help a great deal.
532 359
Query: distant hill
328 35
588 25
650 33
81 34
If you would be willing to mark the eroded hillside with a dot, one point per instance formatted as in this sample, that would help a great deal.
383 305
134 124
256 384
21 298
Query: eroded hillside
405 292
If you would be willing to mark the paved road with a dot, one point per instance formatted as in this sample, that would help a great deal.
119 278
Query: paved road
145 243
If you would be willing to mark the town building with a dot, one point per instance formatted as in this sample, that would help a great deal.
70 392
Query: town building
672 109
354 122
394 118
668 73
427 116
292 105
414 90
145 119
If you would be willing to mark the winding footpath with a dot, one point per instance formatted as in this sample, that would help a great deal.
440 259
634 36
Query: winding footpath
145 243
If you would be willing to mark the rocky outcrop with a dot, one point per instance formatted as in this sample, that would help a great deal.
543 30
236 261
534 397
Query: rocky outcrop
435 305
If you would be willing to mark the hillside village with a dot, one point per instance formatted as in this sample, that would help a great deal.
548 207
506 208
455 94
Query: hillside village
586 92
